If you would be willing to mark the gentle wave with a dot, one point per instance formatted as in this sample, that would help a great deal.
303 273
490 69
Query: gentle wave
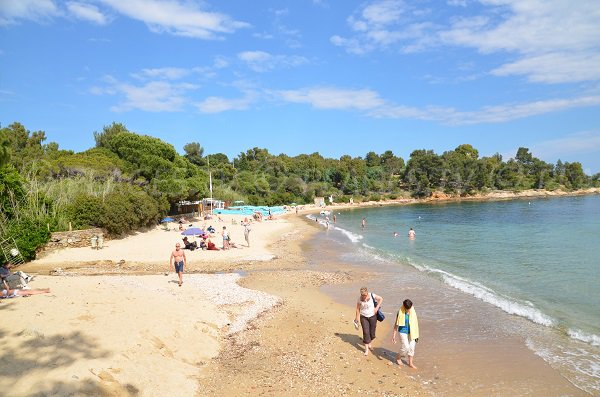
587 369
578 334
490 296
355 238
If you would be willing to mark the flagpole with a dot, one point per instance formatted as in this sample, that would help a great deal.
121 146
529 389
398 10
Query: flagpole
212 204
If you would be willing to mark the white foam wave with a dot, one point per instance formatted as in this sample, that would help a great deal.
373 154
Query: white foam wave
508 305
479 291
578 334
355 238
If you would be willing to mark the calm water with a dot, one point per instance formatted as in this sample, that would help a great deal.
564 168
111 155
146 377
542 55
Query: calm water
537 260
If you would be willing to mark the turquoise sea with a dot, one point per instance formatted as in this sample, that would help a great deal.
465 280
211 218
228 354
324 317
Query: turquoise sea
537 260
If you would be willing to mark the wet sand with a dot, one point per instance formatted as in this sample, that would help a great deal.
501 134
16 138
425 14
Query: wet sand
466 351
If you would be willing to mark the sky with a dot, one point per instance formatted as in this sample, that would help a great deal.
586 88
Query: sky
302 76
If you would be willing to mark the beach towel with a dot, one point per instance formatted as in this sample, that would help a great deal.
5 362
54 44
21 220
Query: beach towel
413 322
18 280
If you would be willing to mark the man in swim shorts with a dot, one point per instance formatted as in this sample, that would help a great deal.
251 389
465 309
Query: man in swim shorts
178 260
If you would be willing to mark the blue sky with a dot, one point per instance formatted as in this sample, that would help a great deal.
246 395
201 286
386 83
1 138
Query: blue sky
301 76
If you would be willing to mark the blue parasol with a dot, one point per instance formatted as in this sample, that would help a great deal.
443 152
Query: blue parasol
192 231
167 219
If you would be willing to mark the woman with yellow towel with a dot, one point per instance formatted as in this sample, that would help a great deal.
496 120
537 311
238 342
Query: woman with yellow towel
407 325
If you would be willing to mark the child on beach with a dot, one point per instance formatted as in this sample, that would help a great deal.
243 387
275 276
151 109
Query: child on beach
366 308
407 325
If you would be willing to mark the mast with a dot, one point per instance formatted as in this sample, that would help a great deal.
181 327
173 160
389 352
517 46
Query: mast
212 204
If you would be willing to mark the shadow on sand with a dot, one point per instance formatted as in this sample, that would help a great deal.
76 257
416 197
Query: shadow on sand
380 353
39 353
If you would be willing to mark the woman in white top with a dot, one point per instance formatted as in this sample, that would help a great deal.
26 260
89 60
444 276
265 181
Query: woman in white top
367 308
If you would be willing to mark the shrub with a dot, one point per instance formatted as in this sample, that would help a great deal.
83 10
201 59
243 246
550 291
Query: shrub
28 235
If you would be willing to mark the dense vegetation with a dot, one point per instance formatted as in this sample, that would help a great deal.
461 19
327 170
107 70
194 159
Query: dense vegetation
129 180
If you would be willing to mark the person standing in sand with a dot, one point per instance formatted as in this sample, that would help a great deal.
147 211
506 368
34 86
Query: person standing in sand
178 260
407 325
366 308
247 229
225 235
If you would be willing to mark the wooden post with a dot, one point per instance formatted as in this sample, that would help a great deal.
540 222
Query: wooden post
48 226
70 227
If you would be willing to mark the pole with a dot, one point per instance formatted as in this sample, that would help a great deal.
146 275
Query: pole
212 204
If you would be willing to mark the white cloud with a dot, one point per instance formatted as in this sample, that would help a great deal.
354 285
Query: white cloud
387 24
86 12
382 13
555 41
218 104
333 98
168 73
572 144
11 11
154 96
177 18
487 114
547 41
555 67
261 61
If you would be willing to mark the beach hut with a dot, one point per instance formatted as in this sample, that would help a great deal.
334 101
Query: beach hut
320 201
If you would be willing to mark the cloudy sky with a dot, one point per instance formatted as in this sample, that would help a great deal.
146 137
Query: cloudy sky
302 76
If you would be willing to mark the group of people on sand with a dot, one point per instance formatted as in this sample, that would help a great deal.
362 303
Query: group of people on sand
406 325
178 260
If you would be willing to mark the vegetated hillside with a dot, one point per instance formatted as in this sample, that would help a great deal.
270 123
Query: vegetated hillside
129 180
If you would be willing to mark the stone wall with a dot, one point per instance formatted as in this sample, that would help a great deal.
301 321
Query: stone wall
72 239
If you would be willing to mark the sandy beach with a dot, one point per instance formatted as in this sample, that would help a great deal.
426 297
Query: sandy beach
117 324
247 321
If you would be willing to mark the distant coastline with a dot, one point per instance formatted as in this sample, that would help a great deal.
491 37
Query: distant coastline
441 197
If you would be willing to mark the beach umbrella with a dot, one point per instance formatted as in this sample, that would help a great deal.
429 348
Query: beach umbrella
192 231
167 219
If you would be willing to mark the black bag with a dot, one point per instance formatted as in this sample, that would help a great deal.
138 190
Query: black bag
380 316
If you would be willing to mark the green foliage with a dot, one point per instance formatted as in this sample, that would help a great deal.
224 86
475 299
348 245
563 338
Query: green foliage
29 235
129 180
124 209
150 156
12 190
108 131
193 152
84 211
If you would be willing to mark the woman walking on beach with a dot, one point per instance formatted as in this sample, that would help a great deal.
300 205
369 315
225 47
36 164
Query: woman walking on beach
407 325
366 308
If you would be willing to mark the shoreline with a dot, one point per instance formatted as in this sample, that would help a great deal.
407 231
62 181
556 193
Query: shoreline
445 324
441 198
301 342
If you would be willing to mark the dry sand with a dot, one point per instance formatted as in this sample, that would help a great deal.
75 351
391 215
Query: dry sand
116 325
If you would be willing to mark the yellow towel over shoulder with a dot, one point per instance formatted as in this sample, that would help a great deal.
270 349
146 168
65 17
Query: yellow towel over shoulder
413 322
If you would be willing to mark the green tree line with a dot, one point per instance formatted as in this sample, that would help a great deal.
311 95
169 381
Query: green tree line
129 180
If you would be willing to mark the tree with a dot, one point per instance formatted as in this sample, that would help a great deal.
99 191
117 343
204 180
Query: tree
523 156
108 131
4 152
372 159
194 152
575 176
423 172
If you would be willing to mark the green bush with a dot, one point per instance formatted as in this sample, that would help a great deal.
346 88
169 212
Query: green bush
28 235
85 211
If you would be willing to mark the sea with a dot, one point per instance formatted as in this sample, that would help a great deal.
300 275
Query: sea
495 273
